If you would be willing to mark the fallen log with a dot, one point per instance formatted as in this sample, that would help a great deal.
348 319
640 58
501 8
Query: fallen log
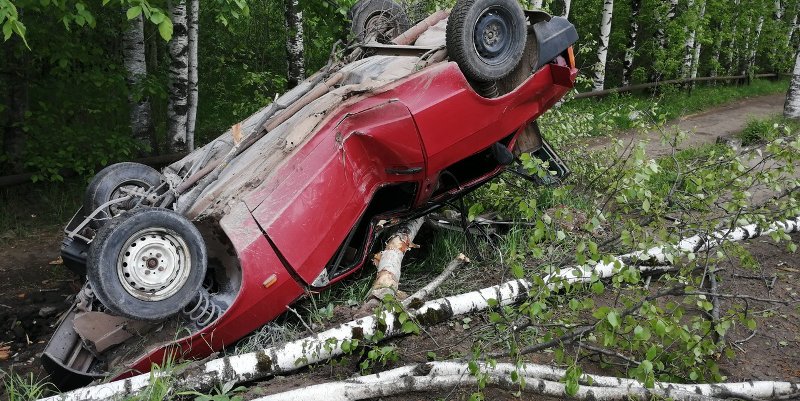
657 257
325 345
390 261
539 379
297 354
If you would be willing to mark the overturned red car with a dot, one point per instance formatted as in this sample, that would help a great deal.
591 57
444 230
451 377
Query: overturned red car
186 261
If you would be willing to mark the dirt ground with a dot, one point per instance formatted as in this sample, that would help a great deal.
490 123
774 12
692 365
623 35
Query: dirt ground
35 290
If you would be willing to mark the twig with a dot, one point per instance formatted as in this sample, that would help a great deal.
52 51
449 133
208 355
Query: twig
709 294
610 353
426 291
303 322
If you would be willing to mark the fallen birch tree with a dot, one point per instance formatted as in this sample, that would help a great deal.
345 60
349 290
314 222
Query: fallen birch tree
390 261
538 379
328 344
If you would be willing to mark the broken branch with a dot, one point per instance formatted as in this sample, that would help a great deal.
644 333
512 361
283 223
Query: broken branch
426 291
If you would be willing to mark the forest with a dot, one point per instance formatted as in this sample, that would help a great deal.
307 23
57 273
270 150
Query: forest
88 83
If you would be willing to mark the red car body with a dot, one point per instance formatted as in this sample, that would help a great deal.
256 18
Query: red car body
386 155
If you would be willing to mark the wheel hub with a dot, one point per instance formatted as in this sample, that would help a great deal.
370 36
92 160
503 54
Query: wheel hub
154 264
492 35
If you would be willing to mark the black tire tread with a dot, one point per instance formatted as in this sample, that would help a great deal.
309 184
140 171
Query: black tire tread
103 244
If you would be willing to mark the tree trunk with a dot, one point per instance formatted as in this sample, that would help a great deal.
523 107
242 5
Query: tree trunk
778 10
141 114
689 44
536 4
792 30
717 53
698 45
751 59
732 54
791 108
602 51
295 56
661 34
567 7
194 28
14 133
178 78
630 51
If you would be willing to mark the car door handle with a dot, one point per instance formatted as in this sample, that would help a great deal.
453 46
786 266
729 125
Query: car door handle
403 171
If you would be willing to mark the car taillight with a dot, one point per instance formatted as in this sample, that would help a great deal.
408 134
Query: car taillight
571 54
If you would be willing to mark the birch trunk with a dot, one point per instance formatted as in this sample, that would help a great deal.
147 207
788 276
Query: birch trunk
602 51
630 51
778 10
733 49
689 44
792 30
194 95
133 52
698 45
536 4
178 78
715 56
661 35
791 108
295 54
539 379
567 7
751 59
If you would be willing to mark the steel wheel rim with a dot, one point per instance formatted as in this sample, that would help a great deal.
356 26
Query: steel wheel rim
492 35
122 191
147 276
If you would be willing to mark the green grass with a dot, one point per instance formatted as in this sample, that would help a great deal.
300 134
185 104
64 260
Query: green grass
596 117
23 388
28 207
764 130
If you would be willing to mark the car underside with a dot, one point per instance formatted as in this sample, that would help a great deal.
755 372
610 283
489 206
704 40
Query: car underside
186 261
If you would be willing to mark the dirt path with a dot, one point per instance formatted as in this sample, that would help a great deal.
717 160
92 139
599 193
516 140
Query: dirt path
704 128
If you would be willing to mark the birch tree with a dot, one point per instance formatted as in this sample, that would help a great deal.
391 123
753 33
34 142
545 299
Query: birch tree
689 44
734 50
178 78
791 108
194 28
698 45
295 54
133 52
602 51
751 59
630 50
567 7
661 34
536 4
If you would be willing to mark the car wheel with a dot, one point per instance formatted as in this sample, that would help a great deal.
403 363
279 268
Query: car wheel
116 181
486 37
147 264
378 20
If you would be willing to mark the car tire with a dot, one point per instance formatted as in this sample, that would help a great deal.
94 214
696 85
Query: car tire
381 20
486 37
147 264
106 186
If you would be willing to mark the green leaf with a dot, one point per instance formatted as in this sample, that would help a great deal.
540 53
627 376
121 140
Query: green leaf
165 29
613 318
134 12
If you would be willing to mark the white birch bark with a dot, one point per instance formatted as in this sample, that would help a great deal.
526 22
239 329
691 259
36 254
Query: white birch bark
295 54
751 59
698 45
734 50
539 379
792 30
778 10
536 4
715 56
661 35
602 51
567 8
691 36
178 78
300 353
630 50
194 28
133 51
791 108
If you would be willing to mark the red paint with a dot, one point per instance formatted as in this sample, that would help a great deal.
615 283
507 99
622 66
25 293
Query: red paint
421 124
